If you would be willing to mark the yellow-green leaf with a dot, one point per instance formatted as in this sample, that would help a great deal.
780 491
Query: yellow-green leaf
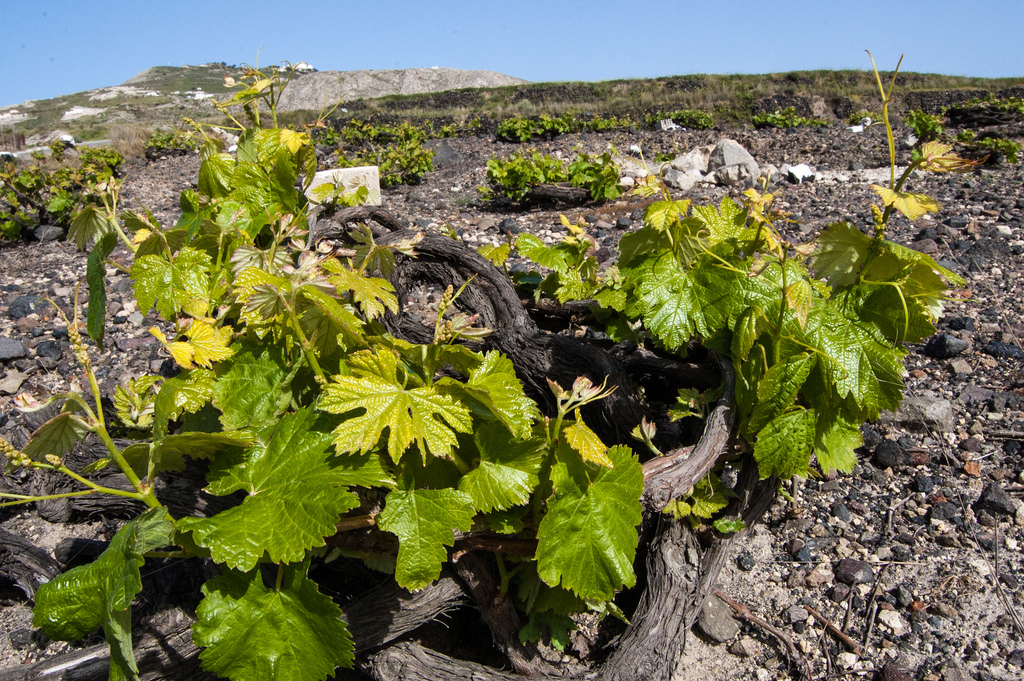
580 437
912 205
799 299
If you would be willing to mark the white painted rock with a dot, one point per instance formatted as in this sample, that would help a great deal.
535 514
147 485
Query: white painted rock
350 179
801 173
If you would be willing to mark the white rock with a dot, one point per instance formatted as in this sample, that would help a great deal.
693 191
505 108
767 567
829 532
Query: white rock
801 173
894 621
729 153
627 182
856 128
350 178
1003 231
847 660
665 125
679 180
694 159
737 175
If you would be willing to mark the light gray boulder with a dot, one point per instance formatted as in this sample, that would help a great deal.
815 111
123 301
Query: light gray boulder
736 175
731 153
694 159
680 180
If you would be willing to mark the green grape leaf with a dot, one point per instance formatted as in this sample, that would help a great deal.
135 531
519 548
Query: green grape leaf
187 392
57 436
667 300
89 225
534 249
373 294
587 540
340 315
249 384
913 206
170 452
559 627
498 255
580 437
507 471
726 526
799 298
85 598
96 275
746 332
778 389
724 222
663 214
424 414
215 175
423 519
709 496
252 633
835 442
495 385
856 361
640 244
173 286
842 251
295 491
505 522
783 447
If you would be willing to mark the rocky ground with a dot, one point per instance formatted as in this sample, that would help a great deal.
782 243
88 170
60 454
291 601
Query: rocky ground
915 556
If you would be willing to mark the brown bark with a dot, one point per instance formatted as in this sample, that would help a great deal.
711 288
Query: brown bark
559 193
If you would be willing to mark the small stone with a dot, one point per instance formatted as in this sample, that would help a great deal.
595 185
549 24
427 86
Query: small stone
22 306
839 593
744 647
852 571
961 367
996 501
945 346
20 638
890 455
508 226
12 382
795 613
840 511
45 233
745 561
12 349
49 349
890 672
973 469
894 621
716 621
904 596
847 660
136 318
486 222
942 610
624 223
819 576
1002 350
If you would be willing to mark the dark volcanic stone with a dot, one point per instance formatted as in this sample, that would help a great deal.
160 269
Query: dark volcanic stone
944 510
46 233
1008 350
49 349
840 511
994 499
924 484
745 561
852 571
12 349
508 226
717 622
624 223
22 306
944 346
889 454
891 672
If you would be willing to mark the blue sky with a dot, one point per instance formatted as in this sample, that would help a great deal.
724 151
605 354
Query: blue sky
50 48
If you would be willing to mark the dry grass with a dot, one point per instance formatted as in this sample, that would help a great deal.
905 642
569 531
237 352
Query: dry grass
129 139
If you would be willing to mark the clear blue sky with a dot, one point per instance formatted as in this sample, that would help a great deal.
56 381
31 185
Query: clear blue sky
50 48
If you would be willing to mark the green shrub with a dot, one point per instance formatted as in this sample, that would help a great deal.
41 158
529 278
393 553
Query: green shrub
786 118
514 177
925 127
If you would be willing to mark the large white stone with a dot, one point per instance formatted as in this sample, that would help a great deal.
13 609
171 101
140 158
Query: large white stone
730 153
679 180
350 179
694 159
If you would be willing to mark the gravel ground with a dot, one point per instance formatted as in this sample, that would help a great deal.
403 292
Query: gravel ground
915 555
